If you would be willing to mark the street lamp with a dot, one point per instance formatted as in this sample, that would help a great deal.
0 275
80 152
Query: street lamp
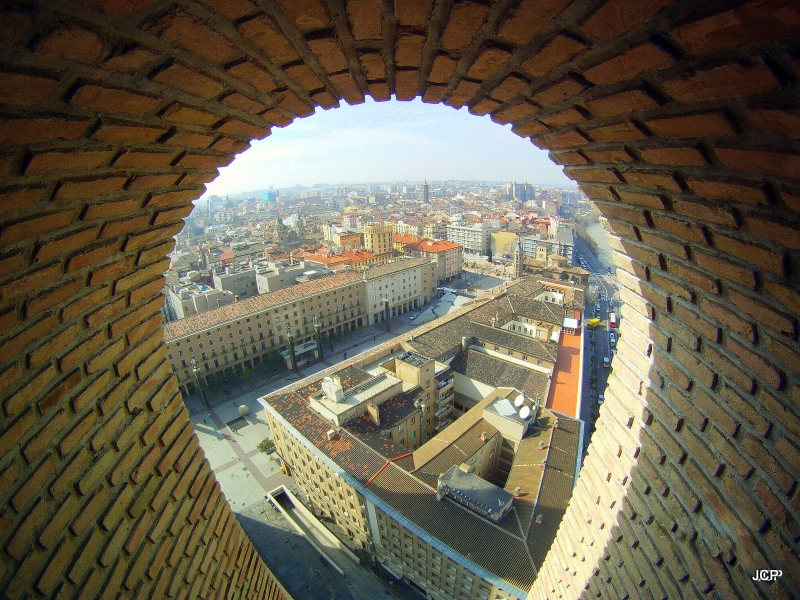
196 372
292 360
318 336
386 312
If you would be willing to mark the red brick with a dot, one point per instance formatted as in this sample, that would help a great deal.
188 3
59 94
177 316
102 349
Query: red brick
14 131
253 75
91 257
189 81
13 27
701 125
35 227
757 161
725 268
784 122
727 81
654 181
622 103
739 26
24 535
569 139
190 116
623 131
558 93
641 59
673 156
20 200
31 282
55 162
33 483
756 364
463 92
143 160
528 19
443 67
266 37
195 37
763 314
112 132
784 235
557 52
609 155
81 190
462 25
110 100
619 16
24 89
749 252
71 44
564 117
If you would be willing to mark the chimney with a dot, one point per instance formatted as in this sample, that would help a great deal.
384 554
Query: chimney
463 344
484 437
331 433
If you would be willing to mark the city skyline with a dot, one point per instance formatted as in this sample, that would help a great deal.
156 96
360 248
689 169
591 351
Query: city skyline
387 141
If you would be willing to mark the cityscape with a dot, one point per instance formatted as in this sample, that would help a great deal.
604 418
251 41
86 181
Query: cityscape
383 360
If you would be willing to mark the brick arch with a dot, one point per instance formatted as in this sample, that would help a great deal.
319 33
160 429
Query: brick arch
680 119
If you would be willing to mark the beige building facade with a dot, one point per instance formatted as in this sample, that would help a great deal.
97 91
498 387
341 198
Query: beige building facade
378 238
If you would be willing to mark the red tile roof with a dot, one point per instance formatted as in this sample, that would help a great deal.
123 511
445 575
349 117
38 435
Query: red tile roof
433 246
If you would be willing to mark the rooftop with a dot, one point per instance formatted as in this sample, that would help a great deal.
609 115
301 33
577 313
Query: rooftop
525 344
497 372
255 305
393 267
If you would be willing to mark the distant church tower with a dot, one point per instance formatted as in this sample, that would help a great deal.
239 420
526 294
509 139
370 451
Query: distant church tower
426 192
519 261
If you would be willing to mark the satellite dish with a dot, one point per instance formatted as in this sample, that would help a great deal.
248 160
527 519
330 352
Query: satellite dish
525 412
519 401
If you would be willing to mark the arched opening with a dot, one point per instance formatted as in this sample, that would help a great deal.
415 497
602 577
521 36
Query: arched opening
679 119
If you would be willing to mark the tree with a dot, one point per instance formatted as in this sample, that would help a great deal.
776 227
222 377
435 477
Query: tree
489 254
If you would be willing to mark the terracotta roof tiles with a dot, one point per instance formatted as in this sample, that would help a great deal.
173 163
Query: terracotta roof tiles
256 304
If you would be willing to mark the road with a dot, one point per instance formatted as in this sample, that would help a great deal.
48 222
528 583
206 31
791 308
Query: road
597 340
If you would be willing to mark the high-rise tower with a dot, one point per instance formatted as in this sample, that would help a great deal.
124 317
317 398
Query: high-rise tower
519 261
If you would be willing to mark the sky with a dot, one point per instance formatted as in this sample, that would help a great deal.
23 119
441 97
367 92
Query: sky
387 141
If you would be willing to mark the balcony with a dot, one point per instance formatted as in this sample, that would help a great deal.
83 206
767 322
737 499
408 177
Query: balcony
445 383
443 411
443 424
446 398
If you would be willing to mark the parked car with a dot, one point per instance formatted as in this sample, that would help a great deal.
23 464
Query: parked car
606 362
612 338
600 399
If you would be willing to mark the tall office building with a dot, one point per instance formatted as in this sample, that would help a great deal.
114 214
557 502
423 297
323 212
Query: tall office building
378 237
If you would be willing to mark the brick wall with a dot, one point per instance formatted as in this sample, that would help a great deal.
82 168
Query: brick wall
678 117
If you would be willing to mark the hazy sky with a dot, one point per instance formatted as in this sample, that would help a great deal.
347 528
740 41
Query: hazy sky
387 141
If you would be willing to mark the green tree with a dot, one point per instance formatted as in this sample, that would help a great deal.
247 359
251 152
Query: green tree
489 254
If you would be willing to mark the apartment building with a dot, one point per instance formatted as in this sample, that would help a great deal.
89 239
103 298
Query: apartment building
448 256
399 497
277 275
401 240
232 338
472 238
378 238
185 300
398 287
241 282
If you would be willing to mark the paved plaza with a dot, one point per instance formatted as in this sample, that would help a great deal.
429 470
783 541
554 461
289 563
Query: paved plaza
230 434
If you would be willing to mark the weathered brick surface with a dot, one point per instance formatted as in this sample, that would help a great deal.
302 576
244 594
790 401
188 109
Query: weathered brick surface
673 114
